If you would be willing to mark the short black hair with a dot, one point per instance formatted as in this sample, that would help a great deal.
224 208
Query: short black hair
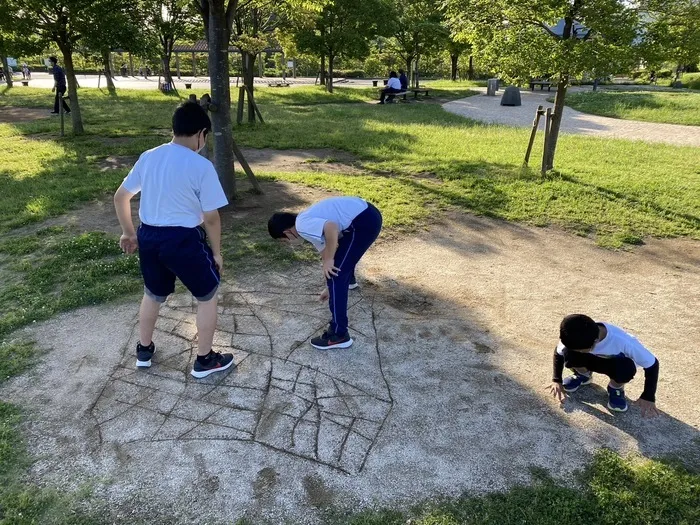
189 119
393 74
53 59
279 222
578 332
401 71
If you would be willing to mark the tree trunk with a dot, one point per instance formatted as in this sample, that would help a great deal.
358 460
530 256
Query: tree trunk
409 70
322 73
108 72
470 73
167 74
454 58
76 117
556 121
249 80
329 87
6 69
221 96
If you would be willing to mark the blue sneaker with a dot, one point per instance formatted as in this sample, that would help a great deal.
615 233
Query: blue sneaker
576 381
616 399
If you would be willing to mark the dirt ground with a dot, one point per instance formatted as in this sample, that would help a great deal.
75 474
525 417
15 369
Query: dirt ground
11 115
442 392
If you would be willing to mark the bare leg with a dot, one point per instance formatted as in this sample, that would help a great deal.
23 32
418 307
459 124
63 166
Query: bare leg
148 315
583 371
613 384
206 324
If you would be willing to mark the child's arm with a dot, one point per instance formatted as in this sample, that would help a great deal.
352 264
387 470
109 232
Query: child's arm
122 205
647 400
330 232
212 225
558 369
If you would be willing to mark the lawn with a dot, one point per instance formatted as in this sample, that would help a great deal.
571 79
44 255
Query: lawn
418 161
650 106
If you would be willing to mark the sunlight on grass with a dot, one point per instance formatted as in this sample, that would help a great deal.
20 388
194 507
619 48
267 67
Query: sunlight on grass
649 106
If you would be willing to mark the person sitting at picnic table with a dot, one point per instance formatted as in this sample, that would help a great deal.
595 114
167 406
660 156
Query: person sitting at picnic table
392 86
403 79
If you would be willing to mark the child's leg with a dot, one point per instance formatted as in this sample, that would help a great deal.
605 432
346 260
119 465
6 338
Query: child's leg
206 325
148 315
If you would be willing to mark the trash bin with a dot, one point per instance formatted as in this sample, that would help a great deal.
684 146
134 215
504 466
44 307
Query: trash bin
374 83
492 87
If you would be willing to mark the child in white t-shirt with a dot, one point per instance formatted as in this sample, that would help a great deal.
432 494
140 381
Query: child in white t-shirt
180 198
587 346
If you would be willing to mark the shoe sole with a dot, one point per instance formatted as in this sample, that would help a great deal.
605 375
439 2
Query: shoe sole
344 344
571 390
353 286
618 409
143 364
205 373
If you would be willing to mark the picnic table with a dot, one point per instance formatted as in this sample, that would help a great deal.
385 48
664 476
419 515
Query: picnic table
542 84
278 84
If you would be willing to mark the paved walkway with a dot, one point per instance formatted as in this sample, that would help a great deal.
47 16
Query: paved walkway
488 109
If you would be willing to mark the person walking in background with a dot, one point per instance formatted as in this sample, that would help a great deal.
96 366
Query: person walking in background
59 86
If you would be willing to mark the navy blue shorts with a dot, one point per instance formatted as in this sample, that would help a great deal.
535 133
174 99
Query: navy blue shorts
169 252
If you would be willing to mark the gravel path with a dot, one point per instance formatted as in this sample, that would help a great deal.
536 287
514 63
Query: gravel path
488 109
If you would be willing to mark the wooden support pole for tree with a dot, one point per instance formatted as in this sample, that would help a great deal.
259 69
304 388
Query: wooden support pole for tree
547 127
62 113
255 106
246 167
535 124
241 101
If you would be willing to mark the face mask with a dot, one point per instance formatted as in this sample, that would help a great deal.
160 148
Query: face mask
204 136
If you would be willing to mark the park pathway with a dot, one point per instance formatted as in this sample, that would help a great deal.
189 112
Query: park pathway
488 109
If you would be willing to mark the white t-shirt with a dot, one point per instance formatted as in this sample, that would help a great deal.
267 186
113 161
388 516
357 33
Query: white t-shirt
620 342
396 84
177 186
340 210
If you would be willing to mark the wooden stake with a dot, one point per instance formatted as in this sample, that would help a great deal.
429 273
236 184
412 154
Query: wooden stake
547 126
535 124
255 106
241 101
246 167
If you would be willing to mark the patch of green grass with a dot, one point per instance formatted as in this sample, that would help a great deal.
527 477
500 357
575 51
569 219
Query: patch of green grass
649 106
15 358
63 272
612 491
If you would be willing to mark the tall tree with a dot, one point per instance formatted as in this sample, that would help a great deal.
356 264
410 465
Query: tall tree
672 33
16 40
565 39
217 16
344 27
419 30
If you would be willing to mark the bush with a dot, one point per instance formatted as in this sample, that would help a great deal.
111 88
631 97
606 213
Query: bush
691 80
349 73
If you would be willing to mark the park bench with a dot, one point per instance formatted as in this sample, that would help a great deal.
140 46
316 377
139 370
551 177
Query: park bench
25 82
278 84
404 94
541 83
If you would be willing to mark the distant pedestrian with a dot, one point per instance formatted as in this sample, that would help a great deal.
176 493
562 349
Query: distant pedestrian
403 79
59 78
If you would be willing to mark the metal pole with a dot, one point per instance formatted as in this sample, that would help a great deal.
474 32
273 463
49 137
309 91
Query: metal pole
535 124
60 110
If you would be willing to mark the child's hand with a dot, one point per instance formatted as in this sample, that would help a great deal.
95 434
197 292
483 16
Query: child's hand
329 269
324 296
219 262
557 391
648 408
128 243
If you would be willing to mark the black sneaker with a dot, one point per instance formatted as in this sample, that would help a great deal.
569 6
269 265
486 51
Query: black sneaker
144 354
329 340
214 362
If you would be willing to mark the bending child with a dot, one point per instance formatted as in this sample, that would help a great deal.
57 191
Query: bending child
342 229
180 198
587 346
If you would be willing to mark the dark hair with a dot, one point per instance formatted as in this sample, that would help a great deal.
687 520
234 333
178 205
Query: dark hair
401 71
54 60
279 222
393 74
189 119
578 332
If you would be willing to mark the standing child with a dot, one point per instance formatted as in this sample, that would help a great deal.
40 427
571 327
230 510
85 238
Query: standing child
342 229
587 346
180 198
